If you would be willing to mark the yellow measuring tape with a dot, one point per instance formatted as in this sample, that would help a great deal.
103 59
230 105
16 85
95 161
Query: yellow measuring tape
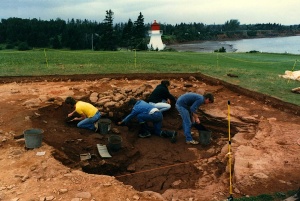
229 154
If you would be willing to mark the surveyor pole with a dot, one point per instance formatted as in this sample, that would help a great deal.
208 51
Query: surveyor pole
217 60
46 57
230 198
293 68
135 58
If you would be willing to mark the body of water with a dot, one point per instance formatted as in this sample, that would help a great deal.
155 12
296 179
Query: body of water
289 44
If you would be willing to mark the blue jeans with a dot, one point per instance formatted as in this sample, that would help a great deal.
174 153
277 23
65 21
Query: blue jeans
162 106
89 122
186 122
156 118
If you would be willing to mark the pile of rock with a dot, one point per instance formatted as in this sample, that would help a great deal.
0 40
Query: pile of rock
113 103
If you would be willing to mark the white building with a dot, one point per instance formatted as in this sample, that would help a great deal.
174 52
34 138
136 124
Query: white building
155 37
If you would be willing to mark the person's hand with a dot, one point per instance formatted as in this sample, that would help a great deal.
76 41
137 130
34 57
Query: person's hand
70 120
121 123
69 115
193 119
197 120
76 119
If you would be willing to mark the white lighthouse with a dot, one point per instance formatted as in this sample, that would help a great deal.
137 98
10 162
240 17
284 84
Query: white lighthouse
155 37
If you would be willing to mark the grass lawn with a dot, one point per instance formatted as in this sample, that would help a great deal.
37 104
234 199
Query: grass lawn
256 71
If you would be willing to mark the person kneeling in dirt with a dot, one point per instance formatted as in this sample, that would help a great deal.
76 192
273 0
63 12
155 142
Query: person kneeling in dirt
89 114
146 112
187 105
161 98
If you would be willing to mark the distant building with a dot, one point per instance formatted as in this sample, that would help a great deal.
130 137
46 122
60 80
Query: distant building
155 37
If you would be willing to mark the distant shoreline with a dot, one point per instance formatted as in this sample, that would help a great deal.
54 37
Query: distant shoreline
201 46
284 44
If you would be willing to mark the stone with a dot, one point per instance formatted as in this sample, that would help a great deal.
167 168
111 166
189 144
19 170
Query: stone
260 175
83 195
63 190
49 198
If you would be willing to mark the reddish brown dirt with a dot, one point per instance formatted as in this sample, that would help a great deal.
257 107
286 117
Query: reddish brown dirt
151 164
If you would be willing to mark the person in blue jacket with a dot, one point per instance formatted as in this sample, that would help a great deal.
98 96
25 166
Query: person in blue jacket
187 106
145 112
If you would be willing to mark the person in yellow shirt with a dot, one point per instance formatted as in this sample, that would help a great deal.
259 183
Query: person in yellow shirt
89 114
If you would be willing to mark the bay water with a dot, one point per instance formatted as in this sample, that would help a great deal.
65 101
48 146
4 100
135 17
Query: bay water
289 45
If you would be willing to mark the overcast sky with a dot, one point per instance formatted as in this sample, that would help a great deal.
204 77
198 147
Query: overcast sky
285 12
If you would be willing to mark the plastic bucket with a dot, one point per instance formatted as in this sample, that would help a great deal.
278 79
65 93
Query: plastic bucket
104 125
33 137
115 142
204 137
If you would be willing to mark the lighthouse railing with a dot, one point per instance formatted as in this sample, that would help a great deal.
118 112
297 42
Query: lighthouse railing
155 32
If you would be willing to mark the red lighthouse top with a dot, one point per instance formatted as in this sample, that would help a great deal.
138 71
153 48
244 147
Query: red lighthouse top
155 26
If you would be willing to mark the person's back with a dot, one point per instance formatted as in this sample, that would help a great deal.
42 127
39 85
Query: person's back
189 99
86 108
161 97
143 106
159 94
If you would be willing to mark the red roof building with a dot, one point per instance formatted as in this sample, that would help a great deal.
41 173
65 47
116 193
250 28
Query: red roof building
155 37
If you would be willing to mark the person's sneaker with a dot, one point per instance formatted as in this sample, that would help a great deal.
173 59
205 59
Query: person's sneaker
144 135
96 126
192 142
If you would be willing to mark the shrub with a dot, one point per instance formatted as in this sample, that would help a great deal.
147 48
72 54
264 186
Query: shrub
253 51
222 49
23 46
9 46
252 33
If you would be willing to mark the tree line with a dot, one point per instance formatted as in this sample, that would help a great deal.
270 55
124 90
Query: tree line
106 35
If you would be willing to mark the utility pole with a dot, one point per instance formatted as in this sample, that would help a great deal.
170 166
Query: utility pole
92 41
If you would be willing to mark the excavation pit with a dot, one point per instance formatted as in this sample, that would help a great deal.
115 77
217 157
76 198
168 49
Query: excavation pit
153 163
259 124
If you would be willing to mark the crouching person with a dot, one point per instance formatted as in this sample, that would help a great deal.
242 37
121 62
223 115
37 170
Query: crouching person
89 114
145 112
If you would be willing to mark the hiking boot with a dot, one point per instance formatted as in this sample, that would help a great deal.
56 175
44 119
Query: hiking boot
192 142
169 134
174 137
145 134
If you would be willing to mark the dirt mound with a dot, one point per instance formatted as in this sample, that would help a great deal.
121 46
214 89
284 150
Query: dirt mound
262 136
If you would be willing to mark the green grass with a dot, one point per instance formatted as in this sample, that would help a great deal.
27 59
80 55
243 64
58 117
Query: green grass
259 72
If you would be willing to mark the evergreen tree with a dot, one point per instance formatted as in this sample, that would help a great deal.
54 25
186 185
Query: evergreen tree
127 35
139 27
140 33
231 25
55 42
108 36
84 34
